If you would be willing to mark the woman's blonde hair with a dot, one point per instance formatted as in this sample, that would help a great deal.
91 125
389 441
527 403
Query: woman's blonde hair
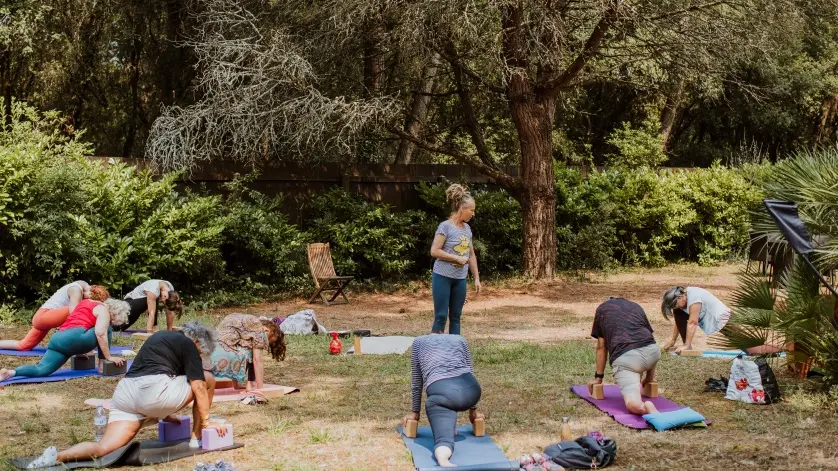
458 196
118 311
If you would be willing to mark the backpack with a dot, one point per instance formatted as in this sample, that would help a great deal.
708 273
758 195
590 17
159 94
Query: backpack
583 453
752 382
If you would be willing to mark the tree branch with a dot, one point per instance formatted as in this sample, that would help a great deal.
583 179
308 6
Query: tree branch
591 48
506 181
472 74
466 104
689 9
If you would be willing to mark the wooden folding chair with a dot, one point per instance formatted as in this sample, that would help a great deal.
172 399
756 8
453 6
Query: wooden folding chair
323 272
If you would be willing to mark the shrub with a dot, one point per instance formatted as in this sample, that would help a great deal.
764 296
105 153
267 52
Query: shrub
368 240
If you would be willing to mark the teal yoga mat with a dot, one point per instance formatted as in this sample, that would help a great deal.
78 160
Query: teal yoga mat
470 453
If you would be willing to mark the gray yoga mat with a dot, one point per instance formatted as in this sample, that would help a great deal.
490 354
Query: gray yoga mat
470 453
389 345
134 454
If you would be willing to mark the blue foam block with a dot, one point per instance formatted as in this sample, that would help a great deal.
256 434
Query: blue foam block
39 351
470 452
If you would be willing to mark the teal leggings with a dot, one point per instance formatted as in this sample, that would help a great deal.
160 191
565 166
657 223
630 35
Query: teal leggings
62 345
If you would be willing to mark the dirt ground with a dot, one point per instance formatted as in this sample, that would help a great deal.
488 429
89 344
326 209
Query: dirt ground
530 343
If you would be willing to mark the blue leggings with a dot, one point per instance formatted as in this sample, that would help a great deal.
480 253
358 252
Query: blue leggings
62 345
449 296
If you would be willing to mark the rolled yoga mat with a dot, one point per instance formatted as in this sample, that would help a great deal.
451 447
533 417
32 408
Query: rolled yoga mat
470 453
389 345
614 406
134 454
60 375
39 351
729 354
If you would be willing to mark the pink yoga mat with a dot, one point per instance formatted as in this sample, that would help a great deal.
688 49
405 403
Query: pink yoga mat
614 406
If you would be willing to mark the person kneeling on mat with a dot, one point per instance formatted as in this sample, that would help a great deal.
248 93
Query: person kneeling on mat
238 350
87 327
166 375
624 334
442 364
693 309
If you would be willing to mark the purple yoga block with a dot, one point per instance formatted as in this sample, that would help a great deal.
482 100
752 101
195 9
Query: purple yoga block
169 432
211 441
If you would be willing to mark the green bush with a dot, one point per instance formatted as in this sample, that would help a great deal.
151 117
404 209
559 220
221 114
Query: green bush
262 251
368 240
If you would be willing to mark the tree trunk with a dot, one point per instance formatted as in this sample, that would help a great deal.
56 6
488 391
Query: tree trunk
669 113
826 121
134 85
418 111
533 119
6 85
373 59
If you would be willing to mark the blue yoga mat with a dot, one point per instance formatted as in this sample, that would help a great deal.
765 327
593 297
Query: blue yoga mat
60 375
470 453
39 351
726 354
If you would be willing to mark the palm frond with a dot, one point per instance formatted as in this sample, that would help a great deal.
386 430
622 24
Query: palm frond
754 292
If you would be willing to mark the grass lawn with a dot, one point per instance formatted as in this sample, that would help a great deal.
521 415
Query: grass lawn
529 345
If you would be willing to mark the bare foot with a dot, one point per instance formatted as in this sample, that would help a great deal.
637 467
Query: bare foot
650 408
442 454
6 374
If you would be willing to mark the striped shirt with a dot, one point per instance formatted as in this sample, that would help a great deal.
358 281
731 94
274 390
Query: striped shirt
457 242
436 357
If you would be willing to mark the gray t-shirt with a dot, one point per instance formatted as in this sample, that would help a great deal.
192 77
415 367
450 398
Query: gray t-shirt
714 314
457 242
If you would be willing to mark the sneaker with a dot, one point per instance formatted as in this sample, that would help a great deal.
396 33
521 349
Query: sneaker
48 458
195 443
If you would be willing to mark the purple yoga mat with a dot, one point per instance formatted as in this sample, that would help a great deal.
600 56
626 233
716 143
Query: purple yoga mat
39 351
614 406
128 332
60 375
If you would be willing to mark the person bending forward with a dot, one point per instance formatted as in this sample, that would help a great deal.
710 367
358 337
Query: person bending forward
52 314
441 365
166 375
624 334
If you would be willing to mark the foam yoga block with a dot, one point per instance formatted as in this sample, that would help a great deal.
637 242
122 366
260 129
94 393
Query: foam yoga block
82 362
211 441
109 368
651 390
170 432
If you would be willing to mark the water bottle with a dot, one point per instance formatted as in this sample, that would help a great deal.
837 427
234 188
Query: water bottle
565 433
100 423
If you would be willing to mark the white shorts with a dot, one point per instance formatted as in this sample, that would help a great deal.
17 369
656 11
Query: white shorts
155 396
628 367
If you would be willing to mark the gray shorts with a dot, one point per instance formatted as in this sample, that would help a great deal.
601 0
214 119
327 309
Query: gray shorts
628 367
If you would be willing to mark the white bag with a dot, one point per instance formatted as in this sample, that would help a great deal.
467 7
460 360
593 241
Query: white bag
745 383
302 323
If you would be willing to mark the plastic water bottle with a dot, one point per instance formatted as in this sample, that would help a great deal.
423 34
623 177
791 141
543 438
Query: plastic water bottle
100 423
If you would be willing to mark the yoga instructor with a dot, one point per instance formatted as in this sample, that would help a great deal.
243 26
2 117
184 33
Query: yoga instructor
693 308
166 375
624 334
454 253
441 366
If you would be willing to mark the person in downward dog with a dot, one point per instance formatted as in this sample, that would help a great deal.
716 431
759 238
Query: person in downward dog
441 365
166 375
624 335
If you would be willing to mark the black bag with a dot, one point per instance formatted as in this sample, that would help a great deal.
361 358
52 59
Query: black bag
582 453
769 382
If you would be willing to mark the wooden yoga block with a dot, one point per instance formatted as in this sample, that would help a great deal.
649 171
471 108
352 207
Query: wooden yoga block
82 362
479 427
170 432
410 430
691 353
357 343
211 441
109 368
651 390
598 393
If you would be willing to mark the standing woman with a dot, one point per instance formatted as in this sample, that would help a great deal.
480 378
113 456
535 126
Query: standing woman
238 349
693 308
85 328
454 254
54 312
441 366
144 299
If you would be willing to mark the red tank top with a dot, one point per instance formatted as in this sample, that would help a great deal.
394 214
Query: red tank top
82 315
